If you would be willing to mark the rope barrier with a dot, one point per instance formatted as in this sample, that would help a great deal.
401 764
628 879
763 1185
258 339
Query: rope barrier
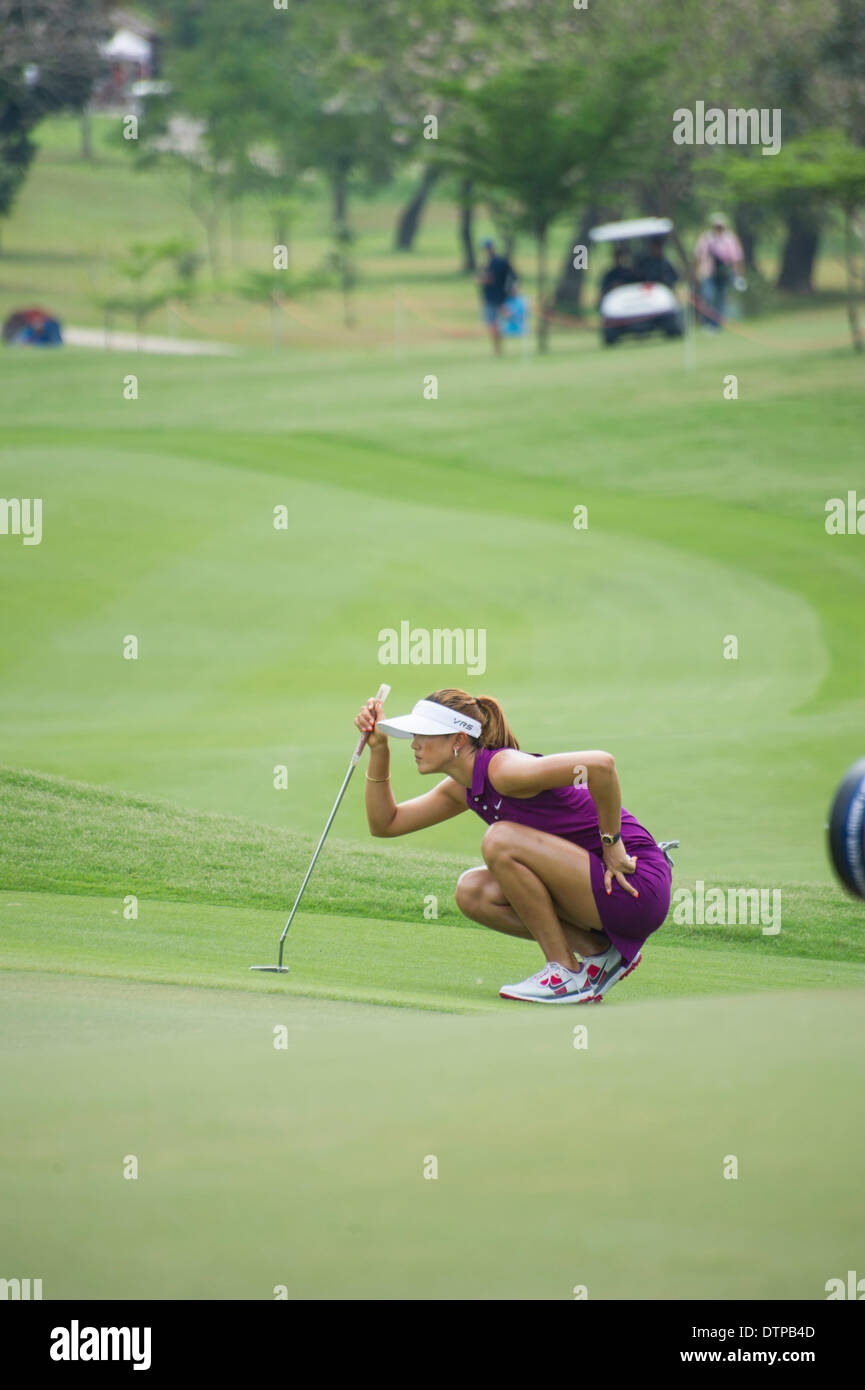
197 324
345 335
708 312
449 332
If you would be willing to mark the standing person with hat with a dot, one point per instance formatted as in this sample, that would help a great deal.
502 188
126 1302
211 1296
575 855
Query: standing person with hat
718 261
495 280
557 870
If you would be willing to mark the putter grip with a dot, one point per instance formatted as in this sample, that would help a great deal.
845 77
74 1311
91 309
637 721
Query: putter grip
383 692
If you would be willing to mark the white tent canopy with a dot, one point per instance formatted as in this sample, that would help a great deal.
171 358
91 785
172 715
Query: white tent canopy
127 47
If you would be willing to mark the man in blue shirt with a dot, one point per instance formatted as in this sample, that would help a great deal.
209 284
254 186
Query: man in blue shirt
495 281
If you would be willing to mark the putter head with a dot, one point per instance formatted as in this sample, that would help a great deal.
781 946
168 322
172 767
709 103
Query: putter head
274 969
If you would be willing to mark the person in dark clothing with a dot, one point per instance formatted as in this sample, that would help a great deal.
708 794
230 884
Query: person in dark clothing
653 265
621 272
495 280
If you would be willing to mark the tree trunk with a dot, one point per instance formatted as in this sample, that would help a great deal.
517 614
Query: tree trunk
410 217
211 231
339 187
746 230
275 324
347 306
800 251
204 202
543 324
86 135
467 238
852 282
569 287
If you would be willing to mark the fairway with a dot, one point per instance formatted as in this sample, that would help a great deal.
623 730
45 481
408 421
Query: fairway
158 808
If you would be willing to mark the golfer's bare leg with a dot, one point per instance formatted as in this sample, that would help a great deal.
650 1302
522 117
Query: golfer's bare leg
480 897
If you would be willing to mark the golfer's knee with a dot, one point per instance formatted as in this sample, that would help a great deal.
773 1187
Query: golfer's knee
469 890
498 841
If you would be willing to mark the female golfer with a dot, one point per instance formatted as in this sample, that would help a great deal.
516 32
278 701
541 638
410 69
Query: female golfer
557 868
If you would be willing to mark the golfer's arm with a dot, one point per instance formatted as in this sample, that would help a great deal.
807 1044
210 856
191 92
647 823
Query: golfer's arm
387 818
520 775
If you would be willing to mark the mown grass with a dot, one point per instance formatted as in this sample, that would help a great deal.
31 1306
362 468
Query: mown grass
65 837
302 1165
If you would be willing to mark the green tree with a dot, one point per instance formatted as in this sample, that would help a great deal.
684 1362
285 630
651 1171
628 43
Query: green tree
829 169
278 93
48 62
142 299
273 288
542 139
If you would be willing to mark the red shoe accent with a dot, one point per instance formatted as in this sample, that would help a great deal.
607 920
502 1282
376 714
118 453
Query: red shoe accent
634 963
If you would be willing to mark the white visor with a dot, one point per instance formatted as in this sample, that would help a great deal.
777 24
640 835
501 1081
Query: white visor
427 718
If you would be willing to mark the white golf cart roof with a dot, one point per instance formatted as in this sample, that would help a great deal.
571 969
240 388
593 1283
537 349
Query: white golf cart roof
637 227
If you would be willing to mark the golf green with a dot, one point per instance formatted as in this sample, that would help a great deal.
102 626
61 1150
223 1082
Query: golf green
279 1146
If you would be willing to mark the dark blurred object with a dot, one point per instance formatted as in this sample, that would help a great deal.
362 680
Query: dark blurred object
621 272
654 267
33 328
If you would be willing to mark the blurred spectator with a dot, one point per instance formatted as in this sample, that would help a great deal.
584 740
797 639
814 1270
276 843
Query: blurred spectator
32 328
718 262
495 279
621 272
654 267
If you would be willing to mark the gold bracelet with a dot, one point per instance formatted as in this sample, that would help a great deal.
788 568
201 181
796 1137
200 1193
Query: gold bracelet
377 779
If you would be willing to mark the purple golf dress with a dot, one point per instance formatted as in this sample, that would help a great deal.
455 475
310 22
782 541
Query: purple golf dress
570 813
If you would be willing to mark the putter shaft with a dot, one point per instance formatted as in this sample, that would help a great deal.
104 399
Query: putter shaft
383 692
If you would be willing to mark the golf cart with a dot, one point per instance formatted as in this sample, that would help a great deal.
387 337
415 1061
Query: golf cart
642 306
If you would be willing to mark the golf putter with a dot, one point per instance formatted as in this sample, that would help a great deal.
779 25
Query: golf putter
279 968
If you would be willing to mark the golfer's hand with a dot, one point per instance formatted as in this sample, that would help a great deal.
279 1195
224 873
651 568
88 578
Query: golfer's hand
365 720
618 863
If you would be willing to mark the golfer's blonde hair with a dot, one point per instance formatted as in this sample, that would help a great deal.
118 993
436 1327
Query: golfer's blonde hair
495 731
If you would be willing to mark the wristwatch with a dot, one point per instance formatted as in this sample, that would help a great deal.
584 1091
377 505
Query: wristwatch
611 839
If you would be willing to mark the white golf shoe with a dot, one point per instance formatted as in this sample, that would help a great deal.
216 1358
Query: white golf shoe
555 984
600 973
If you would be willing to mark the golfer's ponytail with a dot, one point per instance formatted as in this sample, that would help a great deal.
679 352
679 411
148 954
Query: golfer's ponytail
495 732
